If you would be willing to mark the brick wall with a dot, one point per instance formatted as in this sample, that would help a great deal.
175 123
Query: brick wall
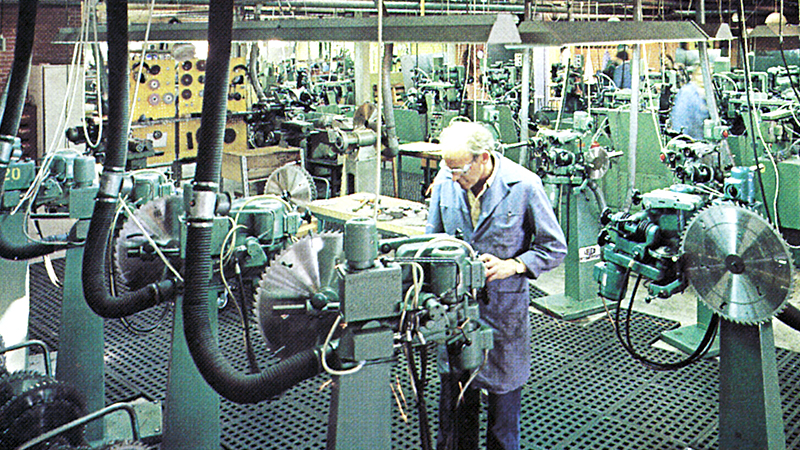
49 20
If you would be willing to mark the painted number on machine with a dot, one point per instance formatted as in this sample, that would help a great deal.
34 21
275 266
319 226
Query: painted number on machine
13 174
589 253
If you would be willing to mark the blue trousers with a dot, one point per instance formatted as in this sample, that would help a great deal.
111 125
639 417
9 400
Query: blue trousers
459 426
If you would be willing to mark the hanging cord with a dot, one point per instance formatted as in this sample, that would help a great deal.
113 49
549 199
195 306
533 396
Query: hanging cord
27 199
141 64
418 382
132 216
748 92
245 316
653 111
225 255
324 351
472 377
563 94
379 142
92 13
112 285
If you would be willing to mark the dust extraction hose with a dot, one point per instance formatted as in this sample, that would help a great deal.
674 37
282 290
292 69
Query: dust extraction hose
16 90
230 383
95 251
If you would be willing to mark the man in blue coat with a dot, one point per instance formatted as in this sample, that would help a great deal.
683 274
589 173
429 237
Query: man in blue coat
502 210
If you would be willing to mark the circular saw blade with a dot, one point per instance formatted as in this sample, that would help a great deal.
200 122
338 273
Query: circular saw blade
292 183
158 219
597 162
737 263
306 267
366 116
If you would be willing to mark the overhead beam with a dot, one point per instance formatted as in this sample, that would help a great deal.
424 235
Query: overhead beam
457 28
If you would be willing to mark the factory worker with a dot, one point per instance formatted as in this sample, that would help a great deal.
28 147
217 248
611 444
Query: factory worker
502 210
690 110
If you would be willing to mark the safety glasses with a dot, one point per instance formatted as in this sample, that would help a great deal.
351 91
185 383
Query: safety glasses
460 170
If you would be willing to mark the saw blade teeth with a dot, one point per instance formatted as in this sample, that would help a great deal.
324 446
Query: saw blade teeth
292 277
737 263
293 181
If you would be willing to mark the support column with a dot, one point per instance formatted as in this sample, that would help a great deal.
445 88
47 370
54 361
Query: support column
14 297
363 88
191 407
750 415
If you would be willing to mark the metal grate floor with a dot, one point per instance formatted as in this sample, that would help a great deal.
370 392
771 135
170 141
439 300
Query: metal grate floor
585 391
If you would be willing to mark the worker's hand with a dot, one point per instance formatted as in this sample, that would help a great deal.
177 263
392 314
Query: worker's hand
496 268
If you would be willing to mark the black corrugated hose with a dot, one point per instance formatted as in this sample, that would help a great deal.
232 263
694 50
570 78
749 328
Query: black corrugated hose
15 91
94 258
21 68
203 344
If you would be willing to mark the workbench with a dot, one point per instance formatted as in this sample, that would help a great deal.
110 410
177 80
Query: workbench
395 216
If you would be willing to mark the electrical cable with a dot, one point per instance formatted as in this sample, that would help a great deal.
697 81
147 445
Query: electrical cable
563 94
141 63
150 240
323 357
748 92
112 286
419 389
472 377
243 313
627 344
92 17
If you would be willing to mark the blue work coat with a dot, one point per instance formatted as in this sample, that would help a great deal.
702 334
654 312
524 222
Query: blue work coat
516 221
689 111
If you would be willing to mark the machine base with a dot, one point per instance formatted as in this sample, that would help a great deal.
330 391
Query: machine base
565 308
686 339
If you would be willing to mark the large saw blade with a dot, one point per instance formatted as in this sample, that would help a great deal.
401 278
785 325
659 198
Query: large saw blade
737 263
292 183
283 296
136 263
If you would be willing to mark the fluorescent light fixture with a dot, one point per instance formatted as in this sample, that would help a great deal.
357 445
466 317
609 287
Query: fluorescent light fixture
556 34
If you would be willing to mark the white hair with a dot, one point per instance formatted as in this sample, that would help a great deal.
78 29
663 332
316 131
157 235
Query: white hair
469 137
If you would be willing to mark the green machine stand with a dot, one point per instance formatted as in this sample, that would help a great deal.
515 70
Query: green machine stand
359 402
581 227
191 407
750 415
14 297
687 339
80 355
360 405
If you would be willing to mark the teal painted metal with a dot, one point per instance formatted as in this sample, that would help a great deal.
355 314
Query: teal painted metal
750 416
80 355
687 338
361 409
651 173
191 407
580 223
14 297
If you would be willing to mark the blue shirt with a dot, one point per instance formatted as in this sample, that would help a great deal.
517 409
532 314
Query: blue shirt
622 75
689 111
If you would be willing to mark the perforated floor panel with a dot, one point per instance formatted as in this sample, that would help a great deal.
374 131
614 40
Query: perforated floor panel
585 391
